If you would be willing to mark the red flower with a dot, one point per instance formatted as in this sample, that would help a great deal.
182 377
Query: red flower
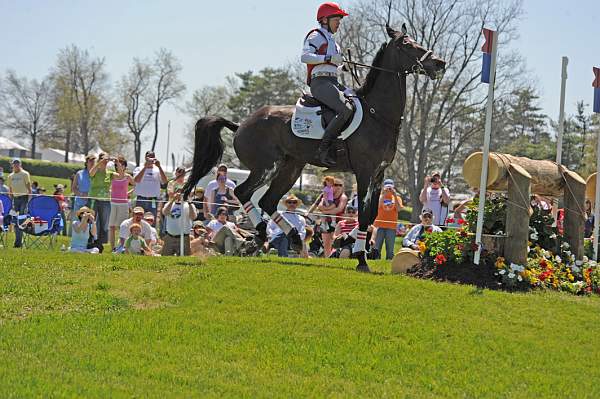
543 263
440 259
429 229
474 246
450 220
461 221
463 233
460 247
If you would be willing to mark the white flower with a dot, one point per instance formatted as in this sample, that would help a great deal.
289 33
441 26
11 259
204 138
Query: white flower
519 278
516 268
576 269
586 259
579 262
502 271
565 245
511 275
553 236
558 259
533 236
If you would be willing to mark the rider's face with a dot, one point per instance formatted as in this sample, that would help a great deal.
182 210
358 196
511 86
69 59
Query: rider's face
334 24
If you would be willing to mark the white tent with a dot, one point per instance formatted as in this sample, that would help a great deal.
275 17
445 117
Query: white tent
56 155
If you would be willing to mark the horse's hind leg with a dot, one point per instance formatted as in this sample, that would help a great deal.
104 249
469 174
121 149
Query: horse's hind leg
285 176
245 190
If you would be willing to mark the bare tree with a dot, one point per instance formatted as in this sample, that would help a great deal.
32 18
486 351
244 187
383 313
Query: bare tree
167 86
25 107
85 84
452 29
136 98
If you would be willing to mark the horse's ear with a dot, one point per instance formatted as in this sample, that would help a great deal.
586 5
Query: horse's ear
391 33
404 30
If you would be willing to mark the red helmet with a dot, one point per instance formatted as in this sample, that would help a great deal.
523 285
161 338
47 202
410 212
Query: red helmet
330 9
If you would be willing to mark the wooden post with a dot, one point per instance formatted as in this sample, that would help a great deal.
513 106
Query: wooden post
574 207
518 212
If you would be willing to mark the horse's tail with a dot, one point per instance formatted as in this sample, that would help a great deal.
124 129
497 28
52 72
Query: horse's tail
208 148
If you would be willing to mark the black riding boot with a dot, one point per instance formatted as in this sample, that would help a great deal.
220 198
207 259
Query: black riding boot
332 131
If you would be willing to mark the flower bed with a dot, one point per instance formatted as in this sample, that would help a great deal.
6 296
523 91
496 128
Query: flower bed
448 256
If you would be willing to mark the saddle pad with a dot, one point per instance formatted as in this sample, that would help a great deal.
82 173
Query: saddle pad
306 121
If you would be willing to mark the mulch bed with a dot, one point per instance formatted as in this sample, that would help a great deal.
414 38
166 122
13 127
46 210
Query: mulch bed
467 273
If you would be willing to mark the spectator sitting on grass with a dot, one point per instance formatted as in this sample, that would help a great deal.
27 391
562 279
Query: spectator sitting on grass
417 233
227 237
83 226
155 242
199 243
277 237
138 217
135 244
3 187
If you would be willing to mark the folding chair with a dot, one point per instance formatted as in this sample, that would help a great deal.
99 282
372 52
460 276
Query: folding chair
6 207
47 209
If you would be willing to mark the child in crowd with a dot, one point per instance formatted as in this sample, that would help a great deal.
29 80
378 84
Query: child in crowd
136 244
327 199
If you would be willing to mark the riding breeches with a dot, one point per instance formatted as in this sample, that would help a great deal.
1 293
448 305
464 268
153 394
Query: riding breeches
328 91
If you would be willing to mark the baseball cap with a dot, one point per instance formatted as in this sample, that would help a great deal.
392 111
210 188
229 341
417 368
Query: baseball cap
427 211
16 160
149 215
388 183
138 209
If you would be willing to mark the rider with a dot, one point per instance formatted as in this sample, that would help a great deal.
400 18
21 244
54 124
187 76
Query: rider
323 57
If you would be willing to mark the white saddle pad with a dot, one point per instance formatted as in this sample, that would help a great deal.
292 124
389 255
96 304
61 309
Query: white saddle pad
306 122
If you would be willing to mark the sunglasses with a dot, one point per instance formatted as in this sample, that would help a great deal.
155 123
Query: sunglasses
427 216
350 211
338 185
291 202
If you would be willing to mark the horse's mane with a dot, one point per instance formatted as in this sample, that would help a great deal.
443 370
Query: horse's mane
373 73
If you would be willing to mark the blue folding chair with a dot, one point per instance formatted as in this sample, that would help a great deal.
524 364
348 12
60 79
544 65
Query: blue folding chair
7 206
47 209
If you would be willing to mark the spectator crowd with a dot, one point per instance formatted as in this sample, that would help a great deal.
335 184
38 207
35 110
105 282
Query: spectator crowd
144 213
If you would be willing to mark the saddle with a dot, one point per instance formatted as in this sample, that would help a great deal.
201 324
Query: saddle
310 118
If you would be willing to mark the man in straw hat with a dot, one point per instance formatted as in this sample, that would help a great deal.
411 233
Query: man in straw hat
277 238
83 227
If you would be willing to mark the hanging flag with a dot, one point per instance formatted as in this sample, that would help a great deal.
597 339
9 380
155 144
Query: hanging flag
489 36
596 86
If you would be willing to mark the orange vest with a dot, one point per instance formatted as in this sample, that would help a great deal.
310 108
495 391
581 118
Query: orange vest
387 215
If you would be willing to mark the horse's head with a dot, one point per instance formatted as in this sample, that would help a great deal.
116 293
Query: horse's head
412 57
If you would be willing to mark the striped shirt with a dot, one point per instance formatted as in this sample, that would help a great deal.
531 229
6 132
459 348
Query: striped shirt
347 225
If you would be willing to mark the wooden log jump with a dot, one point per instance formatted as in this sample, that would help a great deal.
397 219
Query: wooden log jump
521 177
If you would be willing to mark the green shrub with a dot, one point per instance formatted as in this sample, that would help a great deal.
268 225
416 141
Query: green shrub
405 213
43 168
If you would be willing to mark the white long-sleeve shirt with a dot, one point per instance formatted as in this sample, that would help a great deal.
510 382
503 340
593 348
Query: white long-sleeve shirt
296 220
311 46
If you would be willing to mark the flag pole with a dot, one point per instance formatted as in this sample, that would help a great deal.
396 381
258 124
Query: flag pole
561 128
596 109
486 139
561 114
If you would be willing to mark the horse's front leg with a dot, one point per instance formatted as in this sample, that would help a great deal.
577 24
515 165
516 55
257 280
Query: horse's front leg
368 187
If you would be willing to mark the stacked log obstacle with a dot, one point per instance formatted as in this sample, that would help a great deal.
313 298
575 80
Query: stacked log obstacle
521 177
590 187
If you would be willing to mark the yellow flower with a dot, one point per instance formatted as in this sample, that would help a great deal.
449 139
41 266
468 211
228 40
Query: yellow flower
570 276
500 263
422 247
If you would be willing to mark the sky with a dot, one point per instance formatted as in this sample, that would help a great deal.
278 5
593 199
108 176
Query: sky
215 39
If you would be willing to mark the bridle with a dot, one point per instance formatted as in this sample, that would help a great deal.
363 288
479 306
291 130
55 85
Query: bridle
416 67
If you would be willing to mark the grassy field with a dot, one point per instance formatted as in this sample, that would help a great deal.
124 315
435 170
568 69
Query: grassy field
100 326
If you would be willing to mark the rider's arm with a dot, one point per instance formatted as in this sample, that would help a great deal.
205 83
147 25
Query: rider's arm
311 46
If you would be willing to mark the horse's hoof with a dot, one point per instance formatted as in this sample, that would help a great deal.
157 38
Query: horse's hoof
363 269
295 240
261 230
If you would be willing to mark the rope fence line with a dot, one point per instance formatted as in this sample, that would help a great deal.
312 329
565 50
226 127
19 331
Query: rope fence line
238 207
